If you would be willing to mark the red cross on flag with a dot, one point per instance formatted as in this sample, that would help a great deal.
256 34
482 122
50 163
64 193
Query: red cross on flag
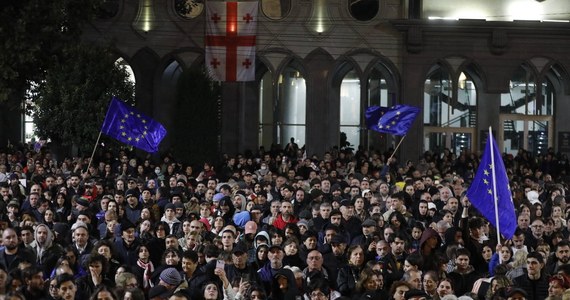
230 40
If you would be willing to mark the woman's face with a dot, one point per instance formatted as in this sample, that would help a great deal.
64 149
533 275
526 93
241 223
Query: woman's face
400 292
105 251
186 227
219 222
444 288
145 214
554 288
291 249
372 283
211 292
429 284
262 254
48 216
144 254
357 257
487 253
171 259
505 254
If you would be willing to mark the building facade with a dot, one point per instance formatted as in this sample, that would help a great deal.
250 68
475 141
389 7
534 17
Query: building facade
320 63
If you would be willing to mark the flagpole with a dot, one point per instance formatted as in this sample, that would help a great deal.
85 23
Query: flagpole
495 198
93 154
397 146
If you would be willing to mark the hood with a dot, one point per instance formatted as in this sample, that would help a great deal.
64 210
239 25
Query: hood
428 233
261 233
50 235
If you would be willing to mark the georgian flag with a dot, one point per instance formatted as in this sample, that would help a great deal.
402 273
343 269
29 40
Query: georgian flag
230 40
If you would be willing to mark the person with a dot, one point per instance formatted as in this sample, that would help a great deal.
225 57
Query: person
66 287
33 283
398 290
464 275
96 277
445 287
104 293
349 275
211 291
46 251
534 281
12 255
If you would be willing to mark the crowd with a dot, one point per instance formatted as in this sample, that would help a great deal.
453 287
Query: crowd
277 225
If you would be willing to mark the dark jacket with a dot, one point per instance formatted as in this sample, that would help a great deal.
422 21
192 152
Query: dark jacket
535 289
347 278
23 254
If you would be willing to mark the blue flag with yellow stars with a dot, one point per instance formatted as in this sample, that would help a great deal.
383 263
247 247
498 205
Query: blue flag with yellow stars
482 196
395 120
131 127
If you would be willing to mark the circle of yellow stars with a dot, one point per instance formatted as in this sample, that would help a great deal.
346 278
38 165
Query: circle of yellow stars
125 131
395 120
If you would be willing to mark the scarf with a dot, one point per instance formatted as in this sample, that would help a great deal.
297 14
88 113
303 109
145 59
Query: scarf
148 270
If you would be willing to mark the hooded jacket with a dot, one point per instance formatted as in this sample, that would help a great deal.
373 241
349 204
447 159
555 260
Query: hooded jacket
48 253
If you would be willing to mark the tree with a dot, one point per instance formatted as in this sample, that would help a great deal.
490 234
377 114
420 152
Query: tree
196 133
34 36
70 104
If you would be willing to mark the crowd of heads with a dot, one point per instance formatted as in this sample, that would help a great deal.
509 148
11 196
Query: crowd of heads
277 225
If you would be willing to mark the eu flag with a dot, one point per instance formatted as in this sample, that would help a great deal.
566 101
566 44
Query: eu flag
395 120
131 127
482 195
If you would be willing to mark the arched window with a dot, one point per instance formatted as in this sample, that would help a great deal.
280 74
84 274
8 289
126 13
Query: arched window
381 92
283 117
450 116
363 10
292 106
526 113
350 108
275 9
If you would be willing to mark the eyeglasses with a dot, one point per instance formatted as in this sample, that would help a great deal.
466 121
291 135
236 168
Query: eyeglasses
52 287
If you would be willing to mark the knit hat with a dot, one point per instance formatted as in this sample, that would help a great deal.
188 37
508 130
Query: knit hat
82 201
171 276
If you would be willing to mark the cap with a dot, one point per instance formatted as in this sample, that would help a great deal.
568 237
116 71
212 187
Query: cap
179 205
305 214
250 227
303 223
239 249
275 247
346 202
14 203
170 206
364 192
126 225
82 201
368 223
171 276
131 193
532 196
338 239
79 224
14 176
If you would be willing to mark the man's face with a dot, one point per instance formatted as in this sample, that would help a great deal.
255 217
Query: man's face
129 235
336 219
188 266
329 234
533 266
227 239
10 239
397 246
196 227
171 243
310 243
81 236
537 228
325 212
518 241
146 195
27 236
41 235
74 180
523 221
453 204
462 262
338 248
563 254
315 260
36 283
34 198
239 259
4 192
